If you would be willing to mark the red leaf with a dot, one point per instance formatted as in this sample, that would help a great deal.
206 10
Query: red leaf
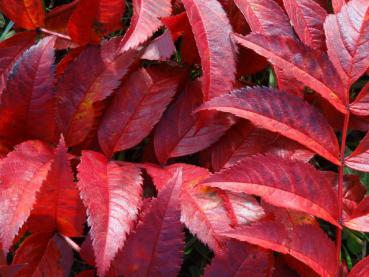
78 93
241 259
359 158
177 133
160 49
44 256
265 17
348 40
305 242
207 212
10 270
112 194
57 19
361 104
284 183
155 249
80 24
28 14
244 140
361 269
10 50
307 17
359 219
145 21
283 113
58 207
22 173
109 16
214 45
67 60
29 94
143 97
311 67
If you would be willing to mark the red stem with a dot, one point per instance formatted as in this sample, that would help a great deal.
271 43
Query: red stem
340 183
48 32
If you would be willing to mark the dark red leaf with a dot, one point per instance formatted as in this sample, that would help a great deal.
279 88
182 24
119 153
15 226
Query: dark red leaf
10 50
57 19
44 256
58 207
79 93
177 133
145 21
348 40
283 113
361 269
307 17
29 96
137 107
359 158
241 259
281 182
212 38
111 193
28 14
155 249
22 173
311 67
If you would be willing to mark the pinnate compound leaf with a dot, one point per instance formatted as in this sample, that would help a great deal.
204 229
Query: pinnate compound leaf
311 67
265 17
22 173
78 93
29 96
177 133
10 50
348 40
280 112
111 193
28 14
359 158
361 269
305 242
137 106
58 207
44 256
155 249
145 21
281 182
241 259
216 51
359 218
307 17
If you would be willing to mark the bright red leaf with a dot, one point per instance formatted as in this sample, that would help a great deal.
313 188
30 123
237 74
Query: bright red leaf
145 21
283 113
348 40
58 207
361 269
28 14
146 255
22 173
361 104
111 193
359 218
214 45
359 158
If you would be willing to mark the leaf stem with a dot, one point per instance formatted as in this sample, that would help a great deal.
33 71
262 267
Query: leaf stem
48 32
340 183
